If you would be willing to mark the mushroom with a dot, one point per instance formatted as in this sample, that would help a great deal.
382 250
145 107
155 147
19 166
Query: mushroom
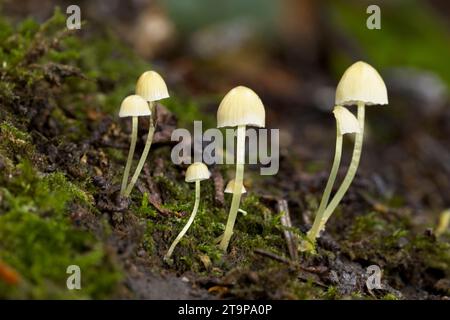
196 172
362 85
239 108
151 87
346 123
444 221
230 188
132 106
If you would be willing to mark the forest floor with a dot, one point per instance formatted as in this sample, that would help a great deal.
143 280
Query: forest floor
62 155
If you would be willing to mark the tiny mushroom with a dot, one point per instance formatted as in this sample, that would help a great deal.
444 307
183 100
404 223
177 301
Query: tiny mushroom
444 221
132 106
362 85
230 188
240 107
196 172
151 87
346 123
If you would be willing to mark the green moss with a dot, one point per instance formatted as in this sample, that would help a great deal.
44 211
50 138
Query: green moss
201 235
58 181
111 79
14 143
34 207
38 240
389 296
260 228
431 253
116 155
332 293
177 193
400 253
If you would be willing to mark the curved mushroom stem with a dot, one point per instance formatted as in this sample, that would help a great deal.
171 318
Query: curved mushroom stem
312 234
130 155
148 143
237 191
188 224
348 177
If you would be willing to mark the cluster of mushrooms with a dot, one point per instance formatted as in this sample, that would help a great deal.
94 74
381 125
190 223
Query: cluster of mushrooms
360 85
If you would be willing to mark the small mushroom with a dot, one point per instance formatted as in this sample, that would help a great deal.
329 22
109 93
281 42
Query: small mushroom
444 221
132 106
239 108
196 172
151 87
230 188
346 123
362 85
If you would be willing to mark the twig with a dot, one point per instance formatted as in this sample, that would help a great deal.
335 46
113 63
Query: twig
314 279
155 202
272 256
159 207
290 237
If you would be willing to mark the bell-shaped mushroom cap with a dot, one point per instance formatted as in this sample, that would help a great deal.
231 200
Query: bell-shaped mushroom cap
197 171
151 86
241 106
346 120
361 82
230 187
134 106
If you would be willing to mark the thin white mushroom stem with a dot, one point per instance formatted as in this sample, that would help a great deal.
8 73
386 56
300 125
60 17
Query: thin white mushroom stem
237 191
328 188
130 155
188 224
348 177
148 143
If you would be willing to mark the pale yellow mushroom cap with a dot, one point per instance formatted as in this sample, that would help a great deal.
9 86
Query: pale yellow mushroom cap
134 106
151 86
346 120
230 187
361 82
241 106
197 171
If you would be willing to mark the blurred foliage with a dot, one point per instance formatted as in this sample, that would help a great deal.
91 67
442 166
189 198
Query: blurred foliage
411 35
192 15
189 111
